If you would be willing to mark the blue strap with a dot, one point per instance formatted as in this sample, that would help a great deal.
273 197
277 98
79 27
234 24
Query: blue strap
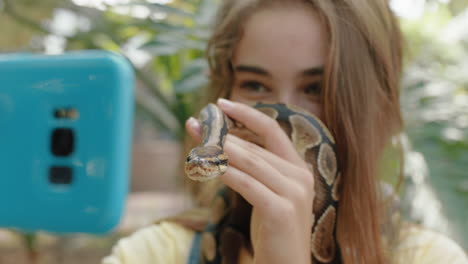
194 256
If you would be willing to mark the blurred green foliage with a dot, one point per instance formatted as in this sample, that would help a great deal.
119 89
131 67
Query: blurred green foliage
166 43
435 105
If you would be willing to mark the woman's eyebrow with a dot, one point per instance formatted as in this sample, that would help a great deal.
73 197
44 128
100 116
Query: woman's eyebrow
251 69
312 71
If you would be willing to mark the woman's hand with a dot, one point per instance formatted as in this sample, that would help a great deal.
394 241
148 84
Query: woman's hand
274 180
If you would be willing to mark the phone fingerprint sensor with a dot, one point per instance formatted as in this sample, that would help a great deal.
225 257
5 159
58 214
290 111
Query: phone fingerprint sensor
60 175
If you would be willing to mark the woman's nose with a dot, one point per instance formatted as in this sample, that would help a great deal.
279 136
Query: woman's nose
286 96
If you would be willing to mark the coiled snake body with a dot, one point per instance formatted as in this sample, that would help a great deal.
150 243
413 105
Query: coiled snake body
316 146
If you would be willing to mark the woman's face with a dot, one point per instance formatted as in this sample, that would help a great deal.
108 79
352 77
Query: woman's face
280 58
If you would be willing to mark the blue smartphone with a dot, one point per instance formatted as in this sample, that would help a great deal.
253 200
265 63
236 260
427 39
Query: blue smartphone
65 140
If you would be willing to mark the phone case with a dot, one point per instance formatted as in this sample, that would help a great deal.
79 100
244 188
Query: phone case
65 140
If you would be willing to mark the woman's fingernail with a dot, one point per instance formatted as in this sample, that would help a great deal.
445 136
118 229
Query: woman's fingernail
224 103
193 123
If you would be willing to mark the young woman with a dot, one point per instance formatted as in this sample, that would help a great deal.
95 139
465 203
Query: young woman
340 60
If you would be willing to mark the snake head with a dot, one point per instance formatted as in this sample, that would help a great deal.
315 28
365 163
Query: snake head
205 163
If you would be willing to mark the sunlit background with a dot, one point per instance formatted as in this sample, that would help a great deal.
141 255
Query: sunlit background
165 41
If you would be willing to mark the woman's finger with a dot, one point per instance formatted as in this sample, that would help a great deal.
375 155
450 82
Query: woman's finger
254 192
289 170
265 127
194 129
255 165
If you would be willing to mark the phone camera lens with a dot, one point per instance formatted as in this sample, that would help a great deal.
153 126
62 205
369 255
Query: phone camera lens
62 142
60 175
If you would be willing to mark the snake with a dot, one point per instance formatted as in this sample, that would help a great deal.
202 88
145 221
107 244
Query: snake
227 231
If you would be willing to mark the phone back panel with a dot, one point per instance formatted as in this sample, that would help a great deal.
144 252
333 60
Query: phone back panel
65 139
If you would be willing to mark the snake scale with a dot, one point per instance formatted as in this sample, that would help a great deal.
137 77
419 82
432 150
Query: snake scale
225 233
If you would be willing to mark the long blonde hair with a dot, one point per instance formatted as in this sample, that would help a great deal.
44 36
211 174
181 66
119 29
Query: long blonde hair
360 101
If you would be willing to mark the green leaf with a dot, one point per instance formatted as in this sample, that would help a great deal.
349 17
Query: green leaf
161 48
171 43
191 83
160 26
163 8
193 77
206 12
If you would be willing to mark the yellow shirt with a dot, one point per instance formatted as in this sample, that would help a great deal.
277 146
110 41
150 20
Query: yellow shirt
423 246
164 243
170 243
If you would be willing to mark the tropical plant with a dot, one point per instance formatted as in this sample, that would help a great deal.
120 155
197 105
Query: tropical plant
435 103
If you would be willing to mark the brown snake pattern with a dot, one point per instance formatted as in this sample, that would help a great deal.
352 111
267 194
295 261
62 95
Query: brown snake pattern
228 230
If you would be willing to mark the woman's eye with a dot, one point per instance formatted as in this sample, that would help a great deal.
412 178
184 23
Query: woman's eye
254 86
313 89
